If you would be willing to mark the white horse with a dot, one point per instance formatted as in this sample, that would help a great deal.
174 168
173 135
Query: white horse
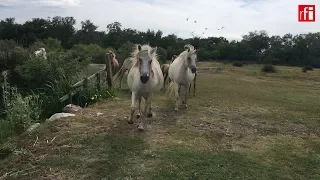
127 64
41 53
182 72
144 78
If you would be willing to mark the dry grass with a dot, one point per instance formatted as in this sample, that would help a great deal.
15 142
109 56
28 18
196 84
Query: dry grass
242 124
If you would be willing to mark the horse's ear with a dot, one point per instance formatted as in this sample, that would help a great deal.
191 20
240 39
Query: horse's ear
153 50
195 51
139 47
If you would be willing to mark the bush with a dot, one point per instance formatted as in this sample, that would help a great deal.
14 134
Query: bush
162 54
35 72
125 51
308 68
53 45
316 65
91 51
21 113
237 64
268 68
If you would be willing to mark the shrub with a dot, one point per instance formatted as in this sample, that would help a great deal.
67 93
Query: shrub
53 45
308 68
21 113
162 54
125 51
268 68
315 65
91 51
36 72
237 64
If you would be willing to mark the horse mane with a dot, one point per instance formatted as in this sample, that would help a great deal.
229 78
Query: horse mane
188 49
189 46
145 50
112 53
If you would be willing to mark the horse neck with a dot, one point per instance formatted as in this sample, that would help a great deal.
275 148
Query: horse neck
181 65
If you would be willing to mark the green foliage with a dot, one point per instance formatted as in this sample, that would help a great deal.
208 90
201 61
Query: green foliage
53 45
125 51
204 54
21 113
162 54
268 68
92 95
91 51
36 72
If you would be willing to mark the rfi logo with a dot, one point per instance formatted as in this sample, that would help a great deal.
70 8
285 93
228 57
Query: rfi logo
307 13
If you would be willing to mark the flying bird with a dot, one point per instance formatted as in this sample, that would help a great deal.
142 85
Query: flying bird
195 21
187 19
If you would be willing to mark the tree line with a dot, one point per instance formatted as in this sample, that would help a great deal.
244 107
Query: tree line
255 47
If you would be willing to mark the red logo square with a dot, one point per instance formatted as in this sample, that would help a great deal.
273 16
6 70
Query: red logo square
307 13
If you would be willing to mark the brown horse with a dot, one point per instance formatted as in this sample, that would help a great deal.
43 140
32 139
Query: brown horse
114 62
165 69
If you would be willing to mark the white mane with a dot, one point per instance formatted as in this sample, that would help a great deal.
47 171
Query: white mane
145 50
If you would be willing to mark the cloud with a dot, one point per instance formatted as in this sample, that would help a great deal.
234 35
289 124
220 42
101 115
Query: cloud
238 17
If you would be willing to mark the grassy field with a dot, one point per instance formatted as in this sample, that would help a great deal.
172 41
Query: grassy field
242 124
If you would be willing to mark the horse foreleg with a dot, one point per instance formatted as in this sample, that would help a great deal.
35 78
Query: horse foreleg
139 112
165 78
134 100
185 101
194 85
177 89
144 113
148 102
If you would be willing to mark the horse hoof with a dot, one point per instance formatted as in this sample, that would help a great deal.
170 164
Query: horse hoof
149 115
176 109
138 116
130 121
140 128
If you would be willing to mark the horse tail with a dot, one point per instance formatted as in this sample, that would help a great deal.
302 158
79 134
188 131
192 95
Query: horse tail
115 77
170 90
122 69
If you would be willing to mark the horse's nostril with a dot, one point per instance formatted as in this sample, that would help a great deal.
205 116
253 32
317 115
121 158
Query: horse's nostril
144 79
193 70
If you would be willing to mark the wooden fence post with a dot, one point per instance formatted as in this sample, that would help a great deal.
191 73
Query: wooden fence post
98 82
109 69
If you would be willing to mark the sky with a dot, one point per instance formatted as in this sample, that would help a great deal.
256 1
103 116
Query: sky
277 17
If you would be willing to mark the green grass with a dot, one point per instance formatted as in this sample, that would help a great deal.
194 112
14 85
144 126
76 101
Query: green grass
242 124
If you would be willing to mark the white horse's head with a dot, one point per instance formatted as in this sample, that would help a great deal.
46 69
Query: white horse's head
190 55
143 57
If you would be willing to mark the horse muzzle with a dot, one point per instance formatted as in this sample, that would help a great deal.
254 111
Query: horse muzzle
193 69
144 78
